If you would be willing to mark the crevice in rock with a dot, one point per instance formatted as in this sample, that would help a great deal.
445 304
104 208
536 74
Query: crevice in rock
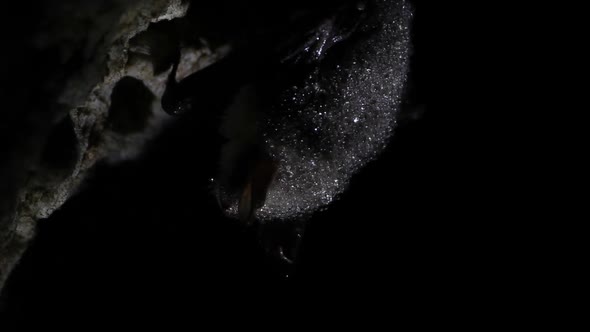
131 106
159 43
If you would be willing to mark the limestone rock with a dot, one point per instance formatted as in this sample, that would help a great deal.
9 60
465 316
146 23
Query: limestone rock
101 103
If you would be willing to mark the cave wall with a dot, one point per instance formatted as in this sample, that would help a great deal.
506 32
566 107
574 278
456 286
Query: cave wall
86 81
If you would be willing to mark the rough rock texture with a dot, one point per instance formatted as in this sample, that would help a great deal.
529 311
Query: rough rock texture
103 104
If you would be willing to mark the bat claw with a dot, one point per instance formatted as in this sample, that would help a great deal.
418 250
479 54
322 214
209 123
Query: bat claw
284 257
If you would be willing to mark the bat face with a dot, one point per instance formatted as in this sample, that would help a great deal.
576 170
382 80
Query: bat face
292 154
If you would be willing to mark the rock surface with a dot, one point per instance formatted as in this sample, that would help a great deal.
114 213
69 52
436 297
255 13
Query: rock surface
101 103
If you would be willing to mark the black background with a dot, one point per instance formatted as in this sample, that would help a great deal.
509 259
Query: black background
144 239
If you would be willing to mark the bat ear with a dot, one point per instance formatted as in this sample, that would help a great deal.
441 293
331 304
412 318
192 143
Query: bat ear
255 190
246 205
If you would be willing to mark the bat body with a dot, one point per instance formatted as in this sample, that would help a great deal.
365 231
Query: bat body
307 113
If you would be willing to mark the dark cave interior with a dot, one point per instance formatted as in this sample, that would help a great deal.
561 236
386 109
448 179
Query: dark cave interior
145 236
